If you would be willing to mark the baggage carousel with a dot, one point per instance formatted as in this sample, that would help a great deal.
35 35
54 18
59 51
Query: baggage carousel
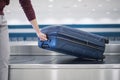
28 62
63 68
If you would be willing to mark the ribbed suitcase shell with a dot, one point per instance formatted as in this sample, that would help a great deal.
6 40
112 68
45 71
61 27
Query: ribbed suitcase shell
73 42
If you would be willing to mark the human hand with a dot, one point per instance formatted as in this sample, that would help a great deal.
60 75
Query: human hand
42 36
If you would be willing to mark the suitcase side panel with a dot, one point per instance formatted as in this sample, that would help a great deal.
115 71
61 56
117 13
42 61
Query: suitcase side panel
81 35
57 41
92 38
79 50
67 47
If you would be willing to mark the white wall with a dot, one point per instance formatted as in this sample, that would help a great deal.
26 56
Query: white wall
67 12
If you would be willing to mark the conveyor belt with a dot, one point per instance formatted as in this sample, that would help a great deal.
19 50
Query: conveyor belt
62 59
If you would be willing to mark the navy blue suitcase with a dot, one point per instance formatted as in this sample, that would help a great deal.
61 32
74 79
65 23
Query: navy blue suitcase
74 42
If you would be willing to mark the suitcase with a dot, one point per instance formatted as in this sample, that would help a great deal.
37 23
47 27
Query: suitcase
74 42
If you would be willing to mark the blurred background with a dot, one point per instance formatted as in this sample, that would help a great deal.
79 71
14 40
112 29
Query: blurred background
67 12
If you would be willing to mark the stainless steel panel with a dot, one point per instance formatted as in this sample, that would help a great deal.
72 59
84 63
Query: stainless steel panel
64 74
112 49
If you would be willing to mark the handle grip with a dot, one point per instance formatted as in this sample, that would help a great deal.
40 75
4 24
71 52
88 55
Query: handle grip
45 46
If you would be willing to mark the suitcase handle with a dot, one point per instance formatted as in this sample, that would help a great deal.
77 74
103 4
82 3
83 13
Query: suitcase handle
45 44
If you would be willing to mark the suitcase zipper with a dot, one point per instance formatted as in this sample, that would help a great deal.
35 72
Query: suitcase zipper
85 43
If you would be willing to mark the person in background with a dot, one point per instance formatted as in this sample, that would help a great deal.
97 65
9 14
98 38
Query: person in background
4 38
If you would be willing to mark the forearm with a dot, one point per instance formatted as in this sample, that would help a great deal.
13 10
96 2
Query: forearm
38 32
35 26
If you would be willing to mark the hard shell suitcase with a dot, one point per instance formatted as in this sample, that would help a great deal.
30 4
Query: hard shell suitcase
74 42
